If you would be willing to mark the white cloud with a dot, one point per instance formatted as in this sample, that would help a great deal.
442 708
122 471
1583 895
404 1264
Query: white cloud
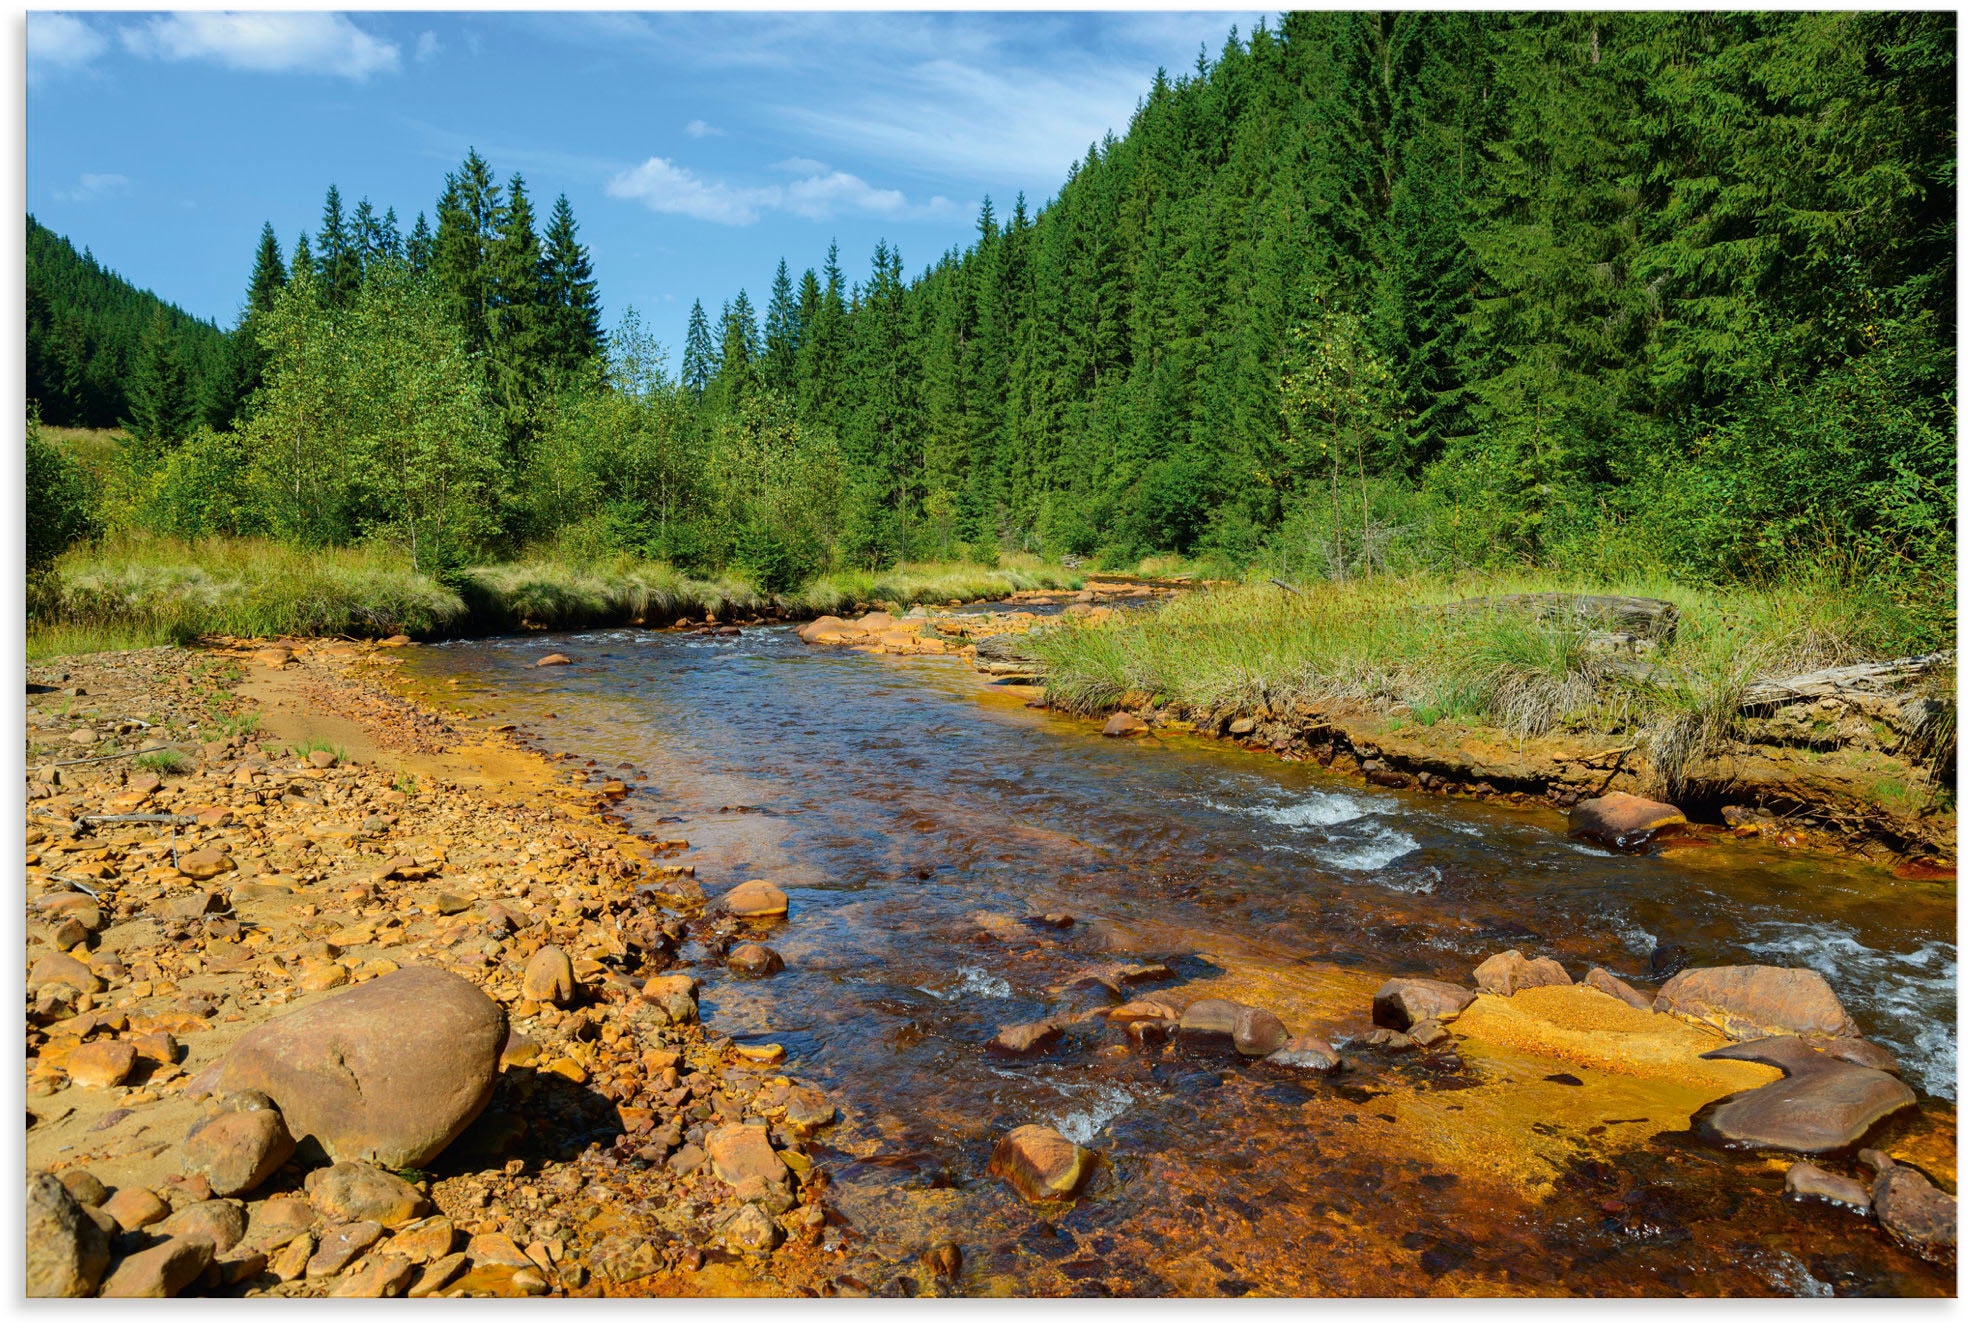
699 129
428 47
661 185
61 41
265 43
91 186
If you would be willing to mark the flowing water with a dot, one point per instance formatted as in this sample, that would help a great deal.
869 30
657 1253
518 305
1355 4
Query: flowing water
897 800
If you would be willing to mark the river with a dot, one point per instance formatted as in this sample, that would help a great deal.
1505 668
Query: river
918 816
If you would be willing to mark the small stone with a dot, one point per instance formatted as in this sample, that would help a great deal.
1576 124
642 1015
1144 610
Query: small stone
551 661
1305 1053
101 1064
1805 1181
1508 973
749 1231
340 1247
438 1275
163 1270
494 1249
1259 1032
1122 724
1025 1039
204 864
1402 1003
549 977
290 1263
1428 1032
423 1241
66 1251
322 760
220 1221
752 960
1211 1020
360 1192
135 1207
385 1275
238 1145
84 1188
63 968
740 1151
1041 1163
755 899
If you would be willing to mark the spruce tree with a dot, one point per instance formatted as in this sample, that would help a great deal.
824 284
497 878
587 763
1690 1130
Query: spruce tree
340 262
700 357
469 214
418 249
782 333
518 322
163 408
572 296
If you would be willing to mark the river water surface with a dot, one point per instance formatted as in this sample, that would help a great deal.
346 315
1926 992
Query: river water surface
903 802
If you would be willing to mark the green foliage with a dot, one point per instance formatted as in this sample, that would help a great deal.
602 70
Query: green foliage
165 761
60 509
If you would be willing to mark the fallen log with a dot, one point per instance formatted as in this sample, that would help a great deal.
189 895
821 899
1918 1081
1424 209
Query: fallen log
1880 678
1649 619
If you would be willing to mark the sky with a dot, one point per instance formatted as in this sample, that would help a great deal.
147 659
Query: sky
696 149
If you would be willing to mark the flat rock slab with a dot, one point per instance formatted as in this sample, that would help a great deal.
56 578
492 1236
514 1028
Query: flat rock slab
1041 1163
1586 1027
1821 1104
1757 1001
1807 1181
1404 1002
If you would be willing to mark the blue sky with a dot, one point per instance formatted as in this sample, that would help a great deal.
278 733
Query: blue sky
695 148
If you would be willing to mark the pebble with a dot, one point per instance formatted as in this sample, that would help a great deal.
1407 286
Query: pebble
1041 1163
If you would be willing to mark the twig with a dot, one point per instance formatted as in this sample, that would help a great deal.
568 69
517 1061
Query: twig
1610 751
1287 587
159 818
113 756
70 880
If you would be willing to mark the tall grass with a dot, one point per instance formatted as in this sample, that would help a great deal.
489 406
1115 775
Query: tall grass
1385 644
129 593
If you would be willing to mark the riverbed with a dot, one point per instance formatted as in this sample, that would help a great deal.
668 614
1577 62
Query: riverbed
925 823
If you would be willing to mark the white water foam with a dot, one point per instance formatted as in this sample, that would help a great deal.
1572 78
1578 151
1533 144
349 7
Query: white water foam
1915 990
971 982
1096 1110
1383 847
1638 940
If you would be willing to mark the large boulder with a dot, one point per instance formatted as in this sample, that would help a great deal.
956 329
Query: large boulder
388 1072
1820 1104
1621 820
1041 1163
825 623
1757 1001
1401 1003
66 1251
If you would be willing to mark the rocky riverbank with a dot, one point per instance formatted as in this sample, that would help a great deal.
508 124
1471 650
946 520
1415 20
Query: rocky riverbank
382 1008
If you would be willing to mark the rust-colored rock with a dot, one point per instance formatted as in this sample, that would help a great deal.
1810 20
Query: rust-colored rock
553 661
1912 1208
390 1071
1621 820
101 1064
755 899
752 960
740 1151
359 1192
1122 724
1402 1003
204 864
163 1270
1025 1039
1602 980
1509 973
1757 1001
549 977
1041 1163
237 1145
1258 1032
1806 1181
1820 1104
1210 1020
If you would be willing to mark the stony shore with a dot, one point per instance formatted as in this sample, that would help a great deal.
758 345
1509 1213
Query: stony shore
334 870
616 1147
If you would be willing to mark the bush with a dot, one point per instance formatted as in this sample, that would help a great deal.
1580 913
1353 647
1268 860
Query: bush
60 507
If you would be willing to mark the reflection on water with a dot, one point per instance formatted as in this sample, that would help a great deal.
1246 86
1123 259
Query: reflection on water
903 803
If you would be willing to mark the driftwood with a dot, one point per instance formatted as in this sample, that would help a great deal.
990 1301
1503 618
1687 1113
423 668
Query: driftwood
1884 678
1649 619
113 756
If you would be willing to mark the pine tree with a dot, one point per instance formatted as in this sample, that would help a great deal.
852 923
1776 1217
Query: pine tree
518 331
572 298
420 247
782 334
341 258
469 215
163 408
700 357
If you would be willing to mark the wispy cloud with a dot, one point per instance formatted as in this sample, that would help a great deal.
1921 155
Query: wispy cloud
661 185
701 129
428 47
265 43
89 187
61 42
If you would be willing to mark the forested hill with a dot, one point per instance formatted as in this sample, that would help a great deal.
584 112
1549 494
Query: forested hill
89 332
1685 280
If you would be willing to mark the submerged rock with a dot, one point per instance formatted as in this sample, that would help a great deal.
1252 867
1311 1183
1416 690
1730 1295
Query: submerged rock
1041 1163
1508 973
1806 1181
1820 1104
1621 820
1404 1002
1757 1001
1305 1053
1211 1020
1258 1032
1025 1039
1914 1211
752 960
754 899
1121 724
